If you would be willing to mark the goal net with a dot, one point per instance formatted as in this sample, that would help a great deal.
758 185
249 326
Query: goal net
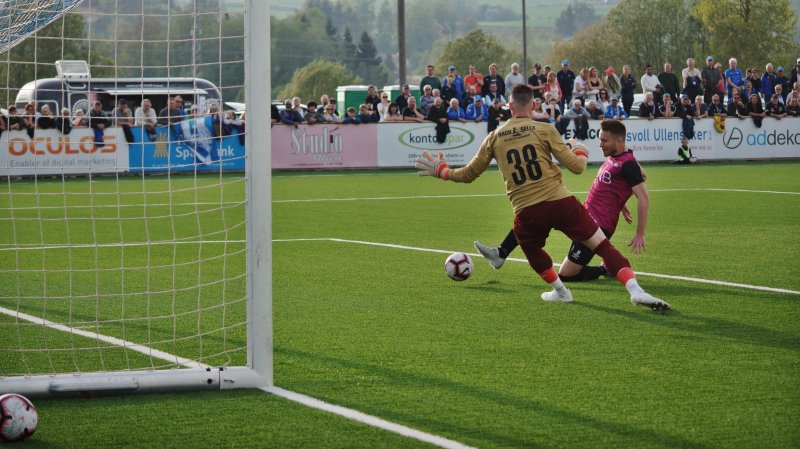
134 195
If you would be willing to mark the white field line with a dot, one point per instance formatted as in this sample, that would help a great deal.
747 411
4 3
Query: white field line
638 273
146 350
370 420
348 413
386 198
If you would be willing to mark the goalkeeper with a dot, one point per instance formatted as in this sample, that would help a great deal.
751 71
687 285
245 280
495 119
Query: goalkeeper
539 198
617 179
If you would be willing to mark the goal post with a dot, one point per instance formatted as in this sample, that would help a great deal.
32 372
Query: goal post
132 261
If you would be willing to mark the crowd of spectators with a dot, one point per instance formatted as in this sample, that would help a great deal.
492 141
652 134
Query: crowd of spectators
562 96
98 119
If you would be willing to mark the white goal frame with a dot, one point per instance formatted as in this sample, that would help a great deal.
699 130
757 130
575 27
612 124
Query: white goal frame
258 373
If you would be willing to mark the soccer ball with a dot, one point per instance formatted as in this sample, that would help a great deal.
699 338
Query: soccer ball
18 417
458 266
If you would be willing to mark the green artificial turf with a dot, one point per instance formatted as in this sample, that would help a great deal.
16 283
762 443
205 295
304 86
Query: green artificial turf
365 317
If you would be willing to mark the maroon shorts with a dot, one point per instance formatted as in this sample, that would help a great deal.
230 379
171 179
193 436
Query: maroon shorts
533 224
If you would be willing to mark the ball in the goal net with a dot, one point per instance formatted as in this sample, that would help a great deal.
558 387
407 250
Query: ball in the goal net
18 417
458 266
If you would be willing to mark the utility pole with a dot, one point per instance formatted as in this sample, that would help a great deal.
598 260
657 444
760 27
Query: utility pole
524 43
401 38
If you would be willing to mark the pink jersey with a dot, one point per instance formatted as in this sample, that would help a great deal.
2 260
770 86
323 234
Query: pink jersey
611 189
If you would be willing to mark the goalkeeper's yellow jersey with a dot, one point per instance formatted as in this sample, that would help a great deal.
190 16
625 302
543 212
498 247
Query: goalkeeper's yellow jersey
523 149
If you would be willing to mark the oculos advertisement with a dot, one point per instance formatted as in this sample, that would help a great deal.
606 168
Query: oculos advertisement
51 153
186 146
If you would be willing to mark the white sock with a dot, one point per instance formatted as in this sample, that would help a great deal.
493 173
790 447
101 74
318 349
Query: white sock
633 287
558 286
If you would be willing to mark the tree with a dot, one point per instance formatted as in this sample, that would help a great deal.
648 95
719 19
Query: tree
586 50
369 64
318 78
575 18
477 48
754 32
297 41
348 48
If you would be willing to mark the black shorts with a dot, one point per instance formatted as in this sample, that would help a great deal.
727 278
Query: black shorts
581 254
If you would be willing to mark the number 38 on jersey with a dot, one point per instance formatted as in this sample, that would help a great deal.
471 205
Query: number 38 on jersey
526 166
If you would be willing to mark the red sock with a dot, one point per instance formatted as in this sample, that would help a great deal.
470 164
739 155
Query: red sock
612 258
624 275
549 275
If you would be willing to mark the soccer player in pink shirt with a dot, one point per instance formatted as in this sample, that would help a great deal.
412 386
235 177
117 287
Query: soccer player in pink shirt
618 179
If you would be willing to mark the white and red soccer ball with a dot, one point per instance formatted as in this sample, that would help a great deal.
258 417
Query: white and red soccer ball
18 417
458 266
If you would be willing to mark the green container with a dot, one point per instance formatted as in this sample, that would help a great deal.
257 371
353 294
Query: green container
394 91
347 96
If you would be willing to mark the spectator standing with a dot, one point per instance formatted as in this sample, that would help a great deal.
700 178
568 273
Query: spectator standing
612 82
710 79
793 76
627 86
669 81
329 114
123 118
768 81
430 79
603 100
493 77
779 92
555 118
537 81
553 87
297 106
566 81
579 86
700 108
454 112
734 78
538 113
469 98
716 108
383 107
685 111
783 81
403 97
474 80
649 81
755 80
692 79
755 110
145 116
29 119
615 111
372 96
514 78
593 84
452 84
231 123
426 100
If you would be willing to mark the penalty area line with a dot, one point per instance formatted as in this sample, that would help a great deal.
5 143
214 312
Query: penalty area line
638 273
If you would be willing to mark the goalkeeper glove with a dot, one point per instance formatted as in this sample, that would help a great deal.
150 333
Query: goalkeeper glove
578 148
428 166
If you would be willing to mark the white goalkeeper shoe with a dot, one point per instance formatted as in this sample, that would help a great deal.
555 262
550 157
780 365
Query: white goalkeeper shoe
553 296
492 255
648 300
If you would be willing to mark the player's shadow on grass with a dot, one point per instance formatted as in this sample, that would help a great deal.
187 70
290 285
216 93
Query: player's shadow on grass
533 407
703 325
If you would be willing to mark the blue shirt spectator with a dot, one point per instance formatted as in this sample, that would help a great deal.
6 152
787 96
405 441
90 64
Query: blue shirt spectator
614 110
453 83
734 77
768 82
289 116
454 112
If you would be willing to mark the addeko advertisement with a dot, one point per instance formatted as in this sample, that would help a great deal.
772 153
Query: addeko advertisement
50 153
324 145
